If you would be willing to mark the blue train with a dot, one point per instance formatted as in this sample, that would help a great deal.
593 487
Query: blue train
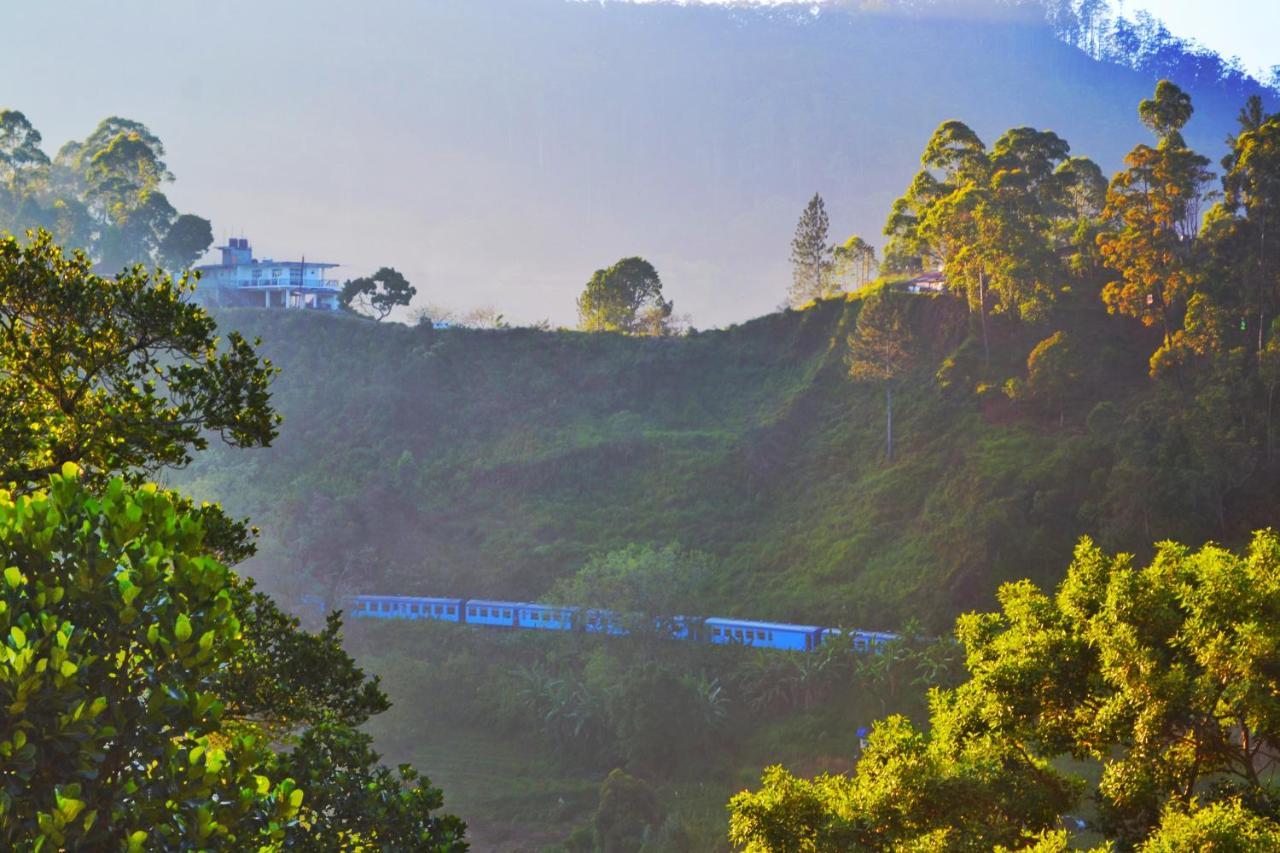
551 617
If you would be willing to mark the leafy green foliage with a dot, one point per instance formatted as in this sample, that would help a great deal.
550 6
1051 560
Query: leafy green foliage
120 376
1162 675
377 294
1225 827
626 297
117 625
646 586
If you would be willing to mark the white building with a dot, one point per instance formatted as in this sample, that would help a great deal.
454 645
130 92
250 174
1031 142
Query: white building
243 280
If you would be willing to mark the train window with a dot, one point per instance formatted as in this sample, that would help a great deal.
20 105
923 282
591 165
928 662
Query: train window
484 611
507 612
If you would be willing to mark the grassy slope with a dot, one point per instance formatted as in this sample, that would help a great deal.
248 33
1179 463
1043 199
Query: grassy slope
504 458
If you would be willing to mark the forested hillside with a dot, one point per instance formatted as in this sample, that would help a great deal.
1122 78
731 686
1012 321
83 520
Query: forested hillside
466 462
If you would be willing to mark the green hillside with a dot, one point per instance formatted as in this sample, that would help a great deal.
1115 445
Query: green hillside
491 463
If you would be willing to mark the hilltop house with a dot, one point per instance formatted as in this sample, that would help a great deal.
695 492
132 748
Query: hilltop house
243 280
930 282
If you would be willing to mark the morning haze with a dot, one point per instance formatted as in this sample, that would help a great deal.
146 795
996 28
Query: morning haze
502 151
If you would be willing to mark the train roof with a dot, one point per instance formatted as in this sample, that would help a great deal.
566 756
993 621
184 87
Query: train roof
409 598
768 626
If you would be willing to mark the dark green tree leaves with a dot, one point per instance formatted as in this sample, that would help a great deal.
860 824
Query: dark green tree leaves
377 294
116 375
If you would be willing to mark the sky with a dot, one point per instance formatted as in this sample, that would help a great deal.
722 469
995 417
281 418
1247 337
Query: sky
1249 29
498 168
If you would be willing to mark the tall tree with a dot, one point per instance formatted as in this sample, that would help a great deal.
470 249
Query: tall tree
853 264
1155 207
1251 198
626 297
985 218
377 294
810 255
19 146
881 349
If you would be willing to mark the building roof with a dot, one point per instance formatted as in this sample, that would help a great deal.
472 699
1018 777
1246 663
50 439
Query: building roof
267 262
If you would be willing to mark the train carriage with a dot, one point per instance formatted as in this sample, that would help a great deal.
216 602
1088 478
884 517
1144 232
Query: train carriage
769 635
498 613
545 617
406 607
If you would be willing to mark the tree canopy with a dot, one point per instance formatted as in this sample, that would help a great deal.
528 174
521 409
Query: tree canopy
1162 675
377 294
102 195
626 297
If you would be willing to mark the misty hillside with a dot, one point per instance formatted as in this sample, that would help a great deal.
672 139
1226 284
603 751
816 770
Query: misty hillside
492 463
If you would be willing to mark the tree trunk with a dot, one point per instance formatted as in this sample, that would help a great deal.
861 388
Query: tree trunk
888 398
982 315
1271 394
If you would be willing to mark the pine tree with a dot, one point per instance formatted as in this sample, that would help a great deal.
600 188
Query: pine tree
810 255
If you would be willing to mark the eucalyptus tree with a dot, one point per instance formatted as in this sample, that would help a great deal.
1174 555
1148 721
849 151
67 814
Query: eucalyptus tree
1153 210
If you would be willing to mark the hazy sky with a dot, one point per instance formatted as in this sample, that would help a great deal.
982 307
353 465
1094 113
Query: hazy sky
362 134
1249 29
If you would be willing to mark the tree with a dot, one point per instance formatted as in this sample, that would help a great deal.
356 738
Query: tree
185 242
120 376
627 298
628 808
1251 199
120 607
810 255
1052 369
1155 207
377 294
1224 827
644 585
20 149
987 218
123 729
880 350
853 264
1164 675
102 194
116 623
